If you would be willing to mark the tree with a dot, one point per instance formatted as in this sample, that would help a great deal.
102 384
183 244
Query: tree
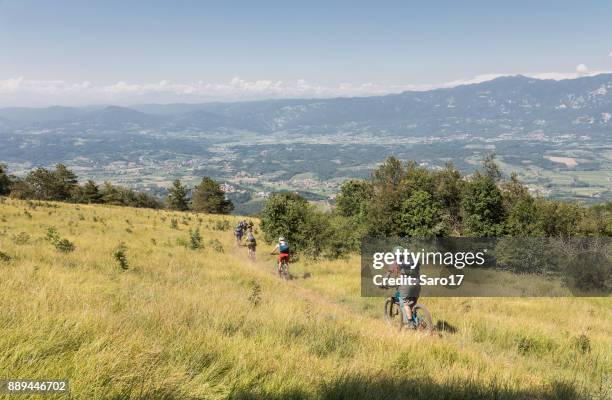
177 197
208 197
420 216
556 218
520 209
447 193
386 200
42 183
58 184
65 182
284 214
111 194
352 198
5 181
90 193
490 167
482 206
306 229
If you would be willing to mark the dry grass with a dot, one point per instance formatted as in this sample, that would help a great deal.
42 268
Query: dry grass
180 323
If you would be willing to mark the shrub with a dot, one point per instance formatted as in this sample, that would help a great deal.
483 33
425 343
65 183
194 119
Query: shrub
223 225
64 245
120 256
582 343
52 234
216 245
173 223
5 257
195 239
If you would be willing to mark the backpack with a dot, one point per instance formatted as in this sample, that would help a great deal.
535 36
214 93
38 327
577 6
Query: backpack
283 247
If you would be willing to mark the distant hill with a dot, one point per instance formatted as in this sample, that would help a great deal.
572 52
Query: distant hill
503 105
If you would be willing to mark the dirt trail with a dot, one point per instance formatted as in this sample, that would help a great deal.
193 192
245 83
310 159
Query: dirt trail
308 294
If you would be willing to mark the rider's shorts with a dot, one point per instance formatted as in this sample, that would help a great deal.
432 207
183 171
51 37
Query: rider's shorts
283 256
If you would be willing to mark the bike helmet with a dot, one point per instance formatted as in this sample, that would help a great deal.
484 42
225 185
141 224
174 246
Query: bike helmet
281 239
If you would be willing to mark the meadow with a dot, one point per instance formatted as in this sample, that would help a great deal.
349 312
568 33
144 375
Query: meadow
132 304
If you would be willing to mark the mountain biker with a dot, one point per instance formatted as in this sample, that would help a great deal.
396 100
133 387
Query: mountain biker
283 252
408 293
251 243
238 232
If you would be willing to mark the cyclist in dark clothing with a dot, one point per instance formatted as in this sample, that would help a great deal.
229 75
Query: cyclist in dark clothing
409 293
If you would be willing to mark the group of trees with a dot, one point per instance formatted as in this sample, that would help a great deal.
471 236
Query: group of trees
61 184
206 197
404 199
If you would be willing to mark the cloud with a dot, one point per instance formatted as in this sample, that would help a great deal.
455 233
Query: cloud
22 91
582 69
610 55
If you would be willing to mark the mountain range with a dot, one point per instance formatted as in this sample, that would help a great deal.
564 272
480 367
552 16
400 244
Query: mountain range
508 104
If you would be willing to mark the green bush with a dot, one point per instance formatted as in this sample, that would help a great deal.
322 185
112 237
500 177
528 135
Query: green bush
120 256
195 239
216 245
5 257
222 225
64 245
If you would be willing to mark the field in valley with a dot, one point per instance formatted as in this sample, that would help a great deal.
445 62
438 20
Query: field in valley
178 322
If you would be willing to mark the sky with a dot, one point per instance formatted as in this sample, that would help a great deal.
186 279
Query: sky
130 52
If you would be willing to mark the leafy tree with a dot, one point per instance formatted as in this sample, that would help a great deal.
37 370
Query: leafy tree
208 197
177 197
5 181
65 182
43 184
20 189
555 218
352 198
448 191
307 230
420 216
91 193
520 209
58 184
482 206
111 194
285 214
386 200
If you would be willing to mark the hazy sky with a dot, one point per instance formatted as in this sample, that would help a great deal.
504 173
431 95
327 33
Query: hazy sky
79 52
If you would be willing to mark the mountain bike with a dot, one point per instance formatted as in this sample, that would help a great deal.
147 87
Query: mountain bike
283 271
395 314
251 250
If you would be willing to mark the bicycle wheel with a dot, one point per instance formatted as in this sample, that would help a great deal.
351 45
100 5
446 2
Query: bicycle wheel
423 317
393 314
284 270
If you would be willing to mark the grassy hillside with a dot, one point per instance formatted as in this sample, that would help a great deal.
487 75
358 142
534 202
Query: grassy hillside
208 323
